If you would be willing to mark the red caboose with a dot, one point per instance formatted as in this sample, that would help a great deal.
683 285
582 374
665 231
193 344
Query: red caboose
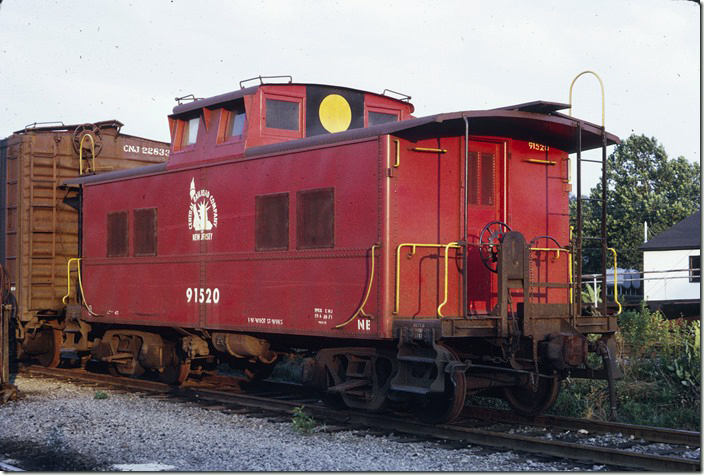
420 258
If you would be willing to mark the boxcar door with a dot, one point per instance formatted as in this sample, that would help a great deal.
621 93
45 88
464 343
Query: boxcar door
484 204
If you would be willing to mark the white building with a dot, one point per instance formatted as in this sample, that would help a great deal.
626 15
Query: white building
671 265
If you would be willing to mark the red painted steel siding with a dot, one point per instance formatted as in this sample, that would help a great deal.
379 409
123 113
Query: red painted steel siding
310 291
284 287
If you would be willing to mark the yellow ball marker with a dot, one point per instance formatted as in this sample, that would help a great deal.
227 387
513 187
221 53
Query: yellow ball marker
335 113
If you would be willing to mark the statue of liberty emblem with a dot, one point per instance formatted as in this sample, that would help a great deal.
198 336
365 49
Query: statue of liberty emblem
203 214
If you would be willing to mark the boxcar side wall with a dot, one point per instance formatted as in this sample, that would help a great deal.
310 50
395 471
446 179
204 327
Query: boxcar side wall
242 245
42 231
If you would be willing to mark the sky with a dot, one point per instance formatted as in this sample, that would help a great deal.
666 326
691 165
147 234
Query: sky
86 61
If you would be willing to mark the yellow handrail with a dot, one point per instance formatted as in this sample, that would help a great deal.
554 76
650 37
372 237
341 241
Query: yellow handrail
615 282
569 262
447 251
429 150
558 249
366 295
92 152
413 247
398 153
570 267
80 283
601 84
68 280
544 162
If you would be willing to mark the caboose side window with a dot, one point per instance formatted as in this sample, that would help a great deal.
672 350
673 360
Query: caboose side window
377 118
233 121
189 132
482 173
271 222
282 114
315 224
117 234
235 124
145 232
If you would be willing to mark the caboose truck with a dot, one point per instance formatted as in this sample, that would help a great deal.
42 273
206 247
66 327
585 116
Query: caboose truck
419 260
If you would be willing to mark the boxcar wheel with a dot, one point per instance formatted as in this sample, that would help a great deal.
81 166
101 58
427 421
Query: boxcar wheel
527 402
52 356
176 373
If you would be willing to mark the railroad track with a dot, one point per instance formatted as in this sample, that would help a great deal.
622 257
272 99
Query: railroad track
476 426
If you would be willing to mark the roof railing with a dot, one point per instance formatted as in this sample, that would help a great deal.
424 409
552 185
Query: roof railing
403 97
35 124
189 97
262 78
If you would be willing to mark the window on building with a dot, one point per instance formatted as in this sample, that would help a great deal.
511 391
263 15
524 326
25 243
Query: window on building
145 232
315 224
695 268
189 131
282 114
377 118
271 222
117 234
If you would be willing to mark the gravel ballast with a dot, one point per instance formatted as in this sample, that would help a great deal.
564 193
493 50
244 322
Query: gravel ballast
60 426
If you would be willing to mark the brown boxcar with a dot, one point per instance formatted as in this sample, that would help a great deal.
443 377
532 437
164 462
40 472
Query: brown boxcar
39 219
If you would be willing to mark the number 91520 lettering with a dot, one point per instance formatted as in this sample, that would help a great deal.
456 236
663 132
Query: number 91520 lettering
198 295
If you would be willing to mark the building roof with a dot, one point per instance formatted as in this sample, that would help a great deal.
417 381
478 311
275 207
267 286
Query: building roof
684 235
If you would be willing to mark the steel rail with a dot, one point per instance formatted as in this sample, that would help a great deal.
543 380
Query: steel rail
487 438
6 467
651 434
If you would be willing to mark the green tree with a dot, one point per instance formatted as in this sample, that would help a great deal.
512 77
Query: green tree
642 185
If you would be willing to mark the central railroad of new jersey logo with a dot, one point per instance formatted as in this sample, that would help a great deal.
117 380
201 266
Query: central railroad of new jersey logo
203 214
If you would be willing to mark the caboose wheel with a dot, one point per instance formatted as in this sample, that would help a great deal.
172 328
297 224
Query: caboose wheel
489 241
52 342
133 369
447 406
259 371
527 402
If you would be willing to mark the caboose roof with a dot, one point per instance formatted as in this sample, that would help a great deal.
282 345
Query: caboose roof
234 95
516 122
536 121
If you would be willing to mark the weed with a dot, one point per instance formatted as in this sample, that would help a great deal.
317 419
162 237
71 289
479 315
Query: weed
100 395
302 422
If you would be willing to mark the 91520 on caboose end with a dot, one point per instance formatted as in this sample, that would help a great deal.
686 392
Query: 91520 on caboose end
418 259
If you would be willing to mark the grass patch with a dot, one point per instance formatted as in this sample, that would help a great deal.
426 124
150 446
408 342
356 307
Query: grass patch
302 422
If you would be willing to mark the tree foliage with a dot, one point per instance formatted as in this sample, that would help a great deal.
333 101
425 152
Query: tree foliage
642 185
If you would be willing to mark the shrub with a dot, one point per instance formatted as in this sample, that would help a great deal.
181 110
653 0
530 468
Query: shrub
661 362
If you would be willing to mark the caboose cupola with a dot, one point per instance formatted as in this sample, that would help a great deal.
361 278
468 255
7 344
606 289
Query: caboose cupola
227 125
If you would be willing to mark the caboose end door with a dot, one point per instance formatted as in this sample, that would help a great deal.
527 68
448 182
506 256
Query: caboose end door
485 204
